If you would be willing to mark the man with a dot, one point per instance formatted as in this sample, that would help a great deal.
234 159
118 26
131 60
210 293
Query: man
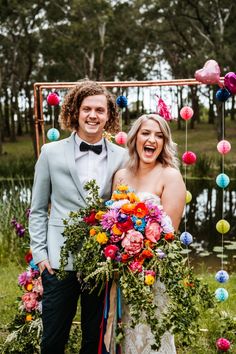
61 172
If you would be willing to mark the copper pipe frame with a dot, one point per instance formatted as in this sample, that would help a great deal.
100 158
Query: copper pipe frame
40 86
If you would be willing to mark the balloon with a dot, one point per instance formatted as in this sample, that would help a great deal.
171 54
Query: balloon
121 138
209 74
186 112
230 82
222 95
53 99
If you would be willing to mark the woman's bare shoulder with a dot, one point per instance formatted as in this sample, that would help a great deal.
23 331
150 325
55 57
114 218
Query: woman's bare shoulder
170 173
120 177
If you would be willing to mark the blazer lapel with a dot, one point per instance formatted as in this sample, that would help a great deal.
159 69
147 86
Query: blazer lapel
110 165
70 158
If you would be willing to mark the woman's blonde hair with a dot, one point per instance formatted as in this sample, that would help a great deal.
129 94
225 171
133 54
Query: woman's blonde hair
168 155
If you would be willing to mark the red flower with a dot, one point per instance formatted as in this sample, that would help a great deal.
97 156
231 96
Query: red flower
126 225
110 251
124 258
28 257
169 237
90 219
140 210
147 254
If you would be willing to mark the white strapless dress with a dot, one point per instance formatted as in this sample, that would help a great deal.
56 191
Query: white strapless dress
138 340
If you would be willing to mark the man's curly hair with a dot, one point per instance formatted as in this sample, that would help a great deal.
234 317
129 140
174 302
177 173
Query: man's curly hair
69 116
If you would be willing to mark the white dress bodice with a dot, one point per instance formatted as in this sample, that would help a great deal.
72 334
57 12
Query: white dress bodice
138 340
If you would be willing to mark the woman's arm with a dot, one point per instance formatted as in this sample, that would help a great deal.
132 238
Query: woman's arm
173 195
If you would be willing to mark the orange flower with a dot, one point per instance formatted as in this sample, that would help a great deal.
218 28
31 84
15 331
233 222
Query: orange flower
124 258
116 231
148 243
92 232
128 208
140 210
118 196
28 317
29 286
133 197
169 237
147 254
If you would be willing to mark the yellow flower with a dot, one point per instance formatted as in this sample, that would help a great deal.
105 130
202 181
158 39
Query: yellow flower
122 188
149 279
92 232
99 215
28 318
29 287
115 230
102 238
133 197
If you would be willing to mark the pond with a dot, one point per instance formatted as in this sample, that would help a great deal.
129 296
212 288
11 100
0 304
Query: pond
202 214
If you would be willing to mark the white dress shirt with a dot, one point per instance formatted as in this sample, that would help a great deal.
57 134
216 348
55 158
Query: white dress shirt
90 165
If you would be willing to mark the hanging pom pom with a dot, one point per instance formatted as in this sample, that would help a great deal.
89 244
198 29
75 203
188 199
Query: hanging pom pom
122 101
222 276
121 138
186 113
186 238
53 134
222 180
189 157
53 99
188 197
222 226
162 109
222 95
221 294
223 344
224 147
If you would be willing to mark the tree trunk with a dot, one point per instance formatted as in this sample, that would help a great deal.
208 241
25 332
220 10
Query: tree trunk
232 111
6 120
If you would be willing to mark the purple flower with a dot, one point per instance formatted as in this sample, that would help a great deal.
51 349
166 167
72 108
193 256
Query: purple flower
27 213
20 232
23 278
109 219
122 217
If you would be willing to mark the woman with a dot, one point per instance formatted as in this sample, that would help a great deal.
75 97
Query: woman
152 171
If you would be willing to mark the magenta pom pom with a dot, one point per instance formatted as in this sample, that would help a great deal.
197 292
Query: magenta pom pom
224 147
53 99
223 344
121 138
189 157
186 112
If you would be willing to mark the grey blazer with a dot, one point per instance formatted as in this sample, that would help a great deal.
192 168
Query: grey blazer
56 181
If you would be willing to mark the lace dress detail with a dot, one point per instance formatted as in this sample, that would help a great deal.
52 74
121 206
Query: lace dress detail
138 340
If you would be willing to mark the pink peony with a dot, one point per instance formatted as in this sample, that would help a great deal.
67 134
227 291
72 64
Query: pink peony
136 267
150 272
153 231
110 251
30 301
109 219
132 242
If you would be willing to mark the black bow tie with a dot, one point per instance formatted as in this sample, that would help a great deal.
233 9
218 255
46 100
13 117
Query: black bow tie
95 148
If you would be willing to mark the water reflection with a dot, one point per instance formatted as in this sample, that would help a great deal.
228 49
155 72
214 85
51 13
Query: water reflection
202 214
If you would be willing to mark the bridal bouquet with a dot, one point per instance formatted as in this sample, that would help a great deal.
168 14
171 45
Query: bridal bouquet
133 242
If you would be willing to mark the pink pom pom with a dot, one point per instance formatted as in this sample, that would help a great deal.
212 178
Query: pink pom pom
53 99
223 344
121 138
189 158
224 147
186 112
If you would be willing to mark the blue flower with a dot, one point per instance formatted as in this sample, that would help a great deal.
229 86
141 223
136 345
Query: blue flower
139 223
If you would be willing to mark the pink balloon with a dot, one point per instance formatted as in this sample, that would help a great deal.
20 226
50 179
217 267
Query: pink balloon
121 138
189 158
209 74
230 82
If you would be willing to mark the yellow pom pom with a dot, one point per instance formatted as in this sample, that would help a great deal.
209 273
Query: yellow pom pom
222 226
188 197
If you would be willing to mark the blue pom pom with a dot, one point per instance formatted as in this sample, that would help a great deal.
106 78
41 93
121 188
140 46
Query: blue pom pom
221 294
222 276
222 95
222 180
121 101
186 238
53 134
